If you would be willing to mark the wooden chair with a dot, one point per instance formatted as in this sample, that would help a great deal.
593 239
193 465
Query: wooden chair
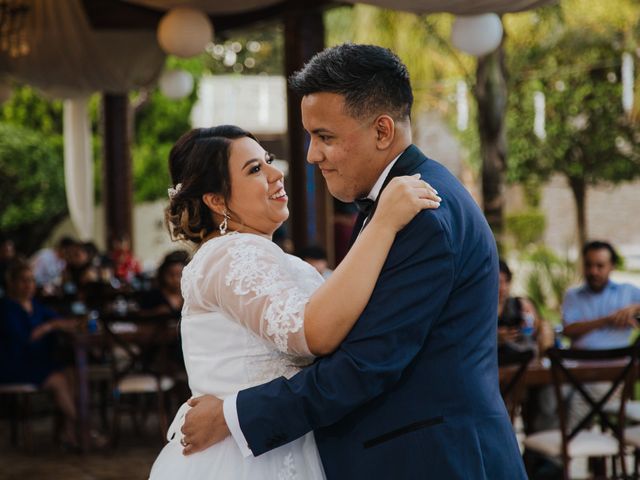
140 366
579 441
513 368
18 397
632 430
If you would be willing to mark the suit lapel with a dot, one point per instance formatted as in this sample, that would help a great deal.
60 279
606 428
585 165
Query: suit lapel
407 163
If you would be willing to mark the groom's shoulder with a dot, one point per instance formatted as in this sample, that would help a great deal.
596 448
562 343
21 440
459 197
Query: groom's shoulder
438 171
458 207
456 197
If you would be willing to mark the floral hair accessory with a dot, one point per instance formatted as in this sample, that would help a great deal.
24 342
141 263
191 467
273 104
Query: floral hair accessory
173 191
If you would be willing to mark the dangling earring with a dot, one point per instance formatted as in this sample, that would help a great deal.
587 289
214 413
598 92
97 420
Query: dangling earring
223 225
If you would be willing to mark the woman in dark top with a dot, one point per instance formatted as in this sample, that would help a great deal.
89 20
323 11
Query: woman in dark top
26 343
167 297
519 321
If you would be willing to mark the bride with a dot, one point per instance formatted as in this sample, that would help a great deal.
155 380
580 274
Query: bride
251 312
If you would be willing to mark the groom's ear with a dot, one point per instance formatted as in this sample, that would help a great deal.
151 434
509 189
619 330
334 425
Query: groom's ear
214 202
385 131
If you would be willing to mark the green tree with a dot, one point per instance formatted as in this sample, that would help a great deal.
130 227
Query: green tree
157 126
421 41
32 185
574 59
29 109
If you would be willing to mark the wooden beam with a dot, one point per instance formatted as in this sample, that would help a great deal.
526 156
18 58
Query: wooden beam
118 14
310 205
117 194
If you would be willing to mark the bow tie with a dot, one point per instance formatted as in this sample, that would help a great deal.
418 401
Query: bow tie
365 205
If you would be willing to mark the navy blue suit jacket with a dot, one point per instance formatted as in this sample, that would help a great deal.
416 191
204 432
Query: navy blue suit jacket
412 392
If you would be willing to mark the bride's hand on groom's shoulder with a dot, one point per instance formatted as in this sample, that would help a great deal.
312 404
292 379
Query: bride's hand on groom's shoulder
403 199
204 424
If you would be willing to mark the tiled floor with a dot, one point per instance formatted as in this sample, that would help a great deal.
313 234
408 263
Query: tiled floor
130 461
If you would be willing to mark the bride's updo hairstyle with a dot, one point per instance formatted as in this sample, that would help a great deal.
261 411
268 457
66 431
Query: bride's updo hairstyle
199 164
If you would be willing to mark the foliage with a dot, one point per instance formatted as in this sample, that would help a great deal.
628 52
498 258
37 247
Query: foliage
549 278
572 53
160 121
421 41
29 109
255 51
150 172
33 216
526 227
569 50
32 185
158 124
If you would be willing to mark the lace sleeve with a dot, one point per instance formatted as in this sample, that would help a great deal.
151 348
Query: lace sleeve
249 278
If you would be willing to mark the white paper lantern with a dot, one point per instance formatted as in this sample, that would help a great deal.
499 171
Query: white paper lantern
5 92
184 32
477 34
176 84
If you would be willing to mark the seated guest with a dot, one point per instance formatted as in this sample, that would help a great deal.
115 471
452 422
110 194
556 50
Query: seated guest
79 270
344 218
7 253
519 324
509 308
518 318
600 313
27 346
98 261
281 239
317 258
166 298
49 263
125 265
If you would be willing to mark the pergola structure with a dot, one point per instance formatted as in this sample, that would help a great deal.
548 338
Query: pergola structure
109 46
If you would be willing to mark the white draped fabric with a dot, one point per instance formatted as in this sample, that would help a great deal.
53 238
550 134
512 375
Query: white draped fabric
78 165
70 60
460 7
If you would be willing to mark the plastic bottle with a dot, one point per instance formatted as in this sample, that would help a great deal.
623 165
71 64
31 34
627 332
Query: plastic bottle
92 321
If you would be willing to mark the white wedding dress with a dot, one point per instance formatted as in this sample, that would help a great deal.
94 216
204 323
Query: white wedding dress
242 325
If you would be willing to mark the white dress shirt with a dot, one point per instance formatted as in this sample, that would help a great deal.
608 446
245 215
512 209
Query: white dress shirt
377 187
229 406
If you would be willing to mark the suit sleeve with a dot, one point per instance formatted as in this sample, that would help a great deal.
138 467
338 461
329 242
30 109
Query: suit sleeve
409 296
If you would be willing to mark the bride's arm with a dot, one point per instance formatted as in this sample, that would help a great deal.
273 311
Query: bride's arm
245 277
335 307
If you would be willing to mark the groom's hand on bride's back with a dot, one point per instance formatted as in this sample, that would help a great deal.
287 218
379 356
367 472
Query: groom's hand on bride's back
204 424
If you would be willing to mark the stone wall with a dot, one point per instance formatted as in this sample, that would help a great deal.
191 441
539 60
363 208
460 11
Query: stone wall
612 215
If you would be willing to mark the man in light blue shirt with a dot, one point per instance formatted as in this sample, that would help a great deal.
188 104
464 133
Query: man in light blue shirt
601 313
598 315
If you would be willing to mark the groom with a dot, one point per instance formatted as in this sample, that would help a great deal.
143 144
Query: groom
412 392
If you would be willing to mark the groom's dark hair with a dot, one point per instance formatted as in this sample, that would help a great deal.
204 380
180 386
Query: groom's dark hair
372 79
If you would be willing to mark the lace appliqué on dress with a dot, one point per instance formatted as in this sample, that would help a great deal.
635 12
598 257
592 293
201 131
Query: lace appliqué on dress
288 471
268 364
250 273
